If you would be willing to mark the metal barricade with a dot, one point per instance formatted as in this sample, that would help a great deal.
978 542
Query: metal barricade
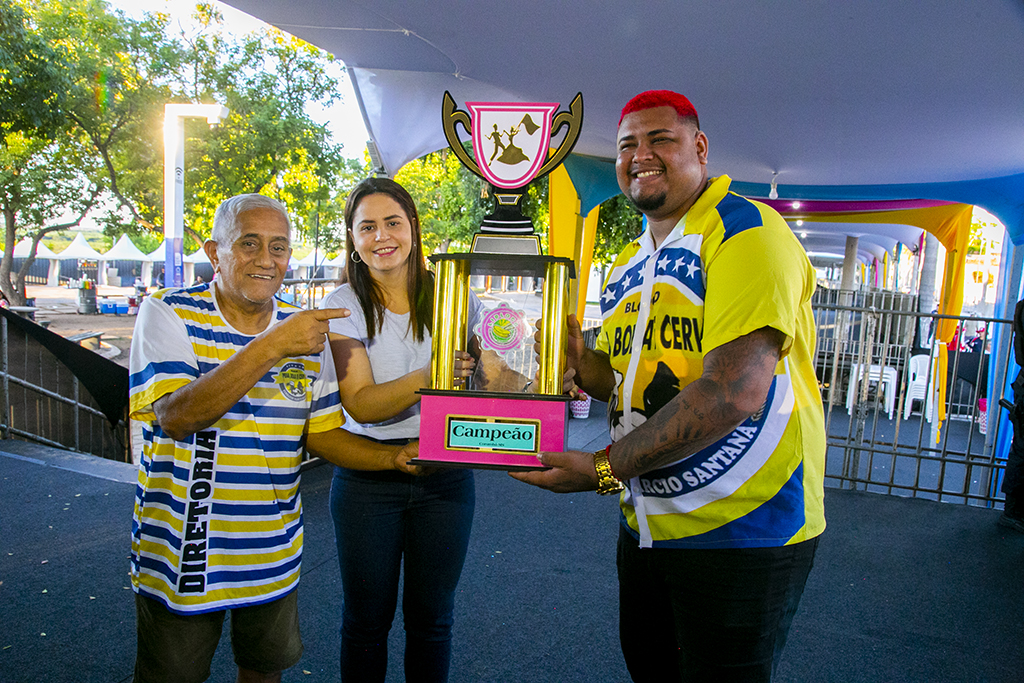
882 418
43 401
882 403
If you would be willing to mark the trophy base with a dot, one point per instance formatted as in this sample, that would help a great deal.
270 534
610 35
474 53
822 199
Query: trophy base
490 430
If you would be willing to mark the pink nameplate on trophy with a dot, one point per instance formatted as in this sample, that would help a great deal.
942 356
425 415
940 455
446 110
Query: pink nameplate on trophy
461 429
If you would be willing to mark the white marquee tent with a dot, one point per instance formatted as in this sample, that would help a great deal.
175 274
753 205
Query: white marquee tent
79 249
125 250
22 250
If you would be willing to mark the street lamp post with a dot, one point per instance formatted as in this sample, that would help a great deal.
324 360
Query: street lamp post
174 180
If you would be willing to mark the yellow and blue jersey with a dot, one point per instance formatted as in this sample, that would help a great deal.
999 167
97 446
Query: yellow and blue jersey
218 517
730 267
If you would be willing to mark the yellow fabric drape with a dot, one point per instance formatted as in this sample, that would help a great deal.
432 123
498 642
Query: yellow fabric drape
564 213
570 235
951 225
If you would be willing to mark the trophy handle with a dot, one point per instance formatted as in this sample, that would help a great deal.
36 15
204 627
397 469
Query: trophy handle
450 116
573 119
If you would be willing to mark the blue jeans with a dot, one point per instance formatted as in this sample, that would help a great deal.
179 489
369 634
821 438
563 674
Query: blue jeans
708 615
379 517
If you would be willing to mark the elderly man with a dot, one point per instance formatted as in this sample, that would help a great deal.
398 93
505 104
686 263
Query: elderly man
230 385
705 358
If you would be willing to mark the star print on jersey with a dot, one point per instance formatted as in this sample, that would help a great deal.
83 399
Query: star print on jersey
680 265
616 291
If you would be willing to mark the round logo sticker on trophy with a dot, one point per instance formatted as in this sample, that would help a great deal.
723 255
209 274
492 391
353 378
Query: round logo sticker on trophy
502 329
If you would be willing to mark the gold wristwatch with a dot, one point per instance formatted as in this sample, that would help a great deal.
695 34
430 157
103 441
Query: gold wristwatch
607 483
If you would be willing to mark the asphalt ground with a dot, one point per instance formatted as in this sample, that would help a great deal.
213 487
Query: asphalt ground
902 589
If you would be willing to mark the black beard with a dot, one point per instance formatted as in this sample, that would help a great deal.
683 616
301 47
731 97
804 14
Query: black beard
646 204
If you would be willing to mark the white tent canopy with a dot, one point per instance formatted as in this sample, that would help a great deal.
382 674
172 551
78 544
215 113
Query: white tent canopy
125 250
847 100
79 249
313 258
155 256
198 257
22 249
873 239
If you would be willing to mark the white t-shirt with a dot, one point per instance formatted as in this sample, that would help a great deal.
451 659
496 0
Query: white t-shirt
393 353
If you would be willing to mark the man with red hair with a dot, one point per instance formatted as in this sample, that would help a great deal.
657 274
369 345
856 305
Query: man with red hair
705 357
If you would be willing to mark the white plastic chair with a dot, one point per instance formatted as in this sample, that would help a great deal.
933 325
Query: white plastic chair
883 375
918 386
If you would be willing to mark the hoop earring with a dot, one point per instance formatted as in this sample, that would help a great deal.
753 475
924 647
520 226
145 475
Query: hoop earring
355 257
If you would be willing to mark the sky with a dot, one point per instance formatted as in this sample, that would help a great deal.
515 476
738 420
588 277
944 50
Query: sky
343 118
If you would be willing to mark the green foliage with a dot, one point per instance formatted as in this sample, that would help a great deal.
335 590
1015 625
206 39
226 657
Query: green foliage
268 144
537 207
449 200
100 156
33 77
82 95
326 223
618 224
147 242
978 243
121 73
44 187
453 201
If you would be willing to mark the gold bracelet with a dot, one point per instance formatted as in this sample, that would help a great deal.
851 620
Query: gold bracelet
607 483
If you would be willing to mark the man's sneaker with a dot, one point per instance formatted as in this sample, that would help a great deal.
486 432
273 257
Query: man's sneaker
1015 523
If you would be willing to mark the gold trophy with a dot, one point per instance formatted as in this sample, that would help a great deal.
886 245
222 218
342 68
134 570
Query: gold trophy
462 425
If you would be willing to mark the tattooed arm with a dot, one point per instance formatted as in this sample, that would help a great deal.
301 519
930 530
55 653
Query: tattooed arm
733 386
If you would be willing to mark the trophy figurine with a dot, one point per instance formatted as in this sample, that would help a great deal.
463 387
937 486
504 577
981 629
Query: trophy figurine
513 408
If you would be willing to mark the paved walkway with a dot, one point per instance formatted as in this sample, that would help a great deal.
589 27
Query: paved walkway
903 590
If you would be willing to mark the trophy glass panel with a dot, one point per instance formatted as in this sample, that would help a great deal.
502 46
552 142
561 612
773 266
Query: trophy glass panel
502 336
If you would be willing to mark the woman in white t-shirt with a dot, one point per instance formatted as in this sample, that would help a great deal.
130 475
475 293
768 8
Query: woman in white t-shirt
382 354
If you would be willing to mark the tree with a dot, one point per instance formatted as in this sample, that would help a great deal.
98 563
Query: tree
268 144
43 188
52 176
34 184
101 149
326 225
618 224
33 78
453 201
978 243
450 199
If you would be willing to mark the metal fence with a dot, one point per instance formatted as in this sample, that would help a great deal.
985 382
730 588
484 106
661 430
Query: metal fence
44 402
882 386
877 368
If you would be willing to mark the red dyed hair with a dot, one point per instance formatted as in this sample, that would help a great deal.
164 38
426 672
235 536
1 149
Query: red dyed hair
660 98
